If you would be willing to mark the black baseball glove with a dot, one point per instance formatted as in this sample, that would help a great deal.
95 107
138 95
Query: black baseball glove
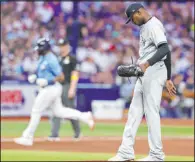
129 71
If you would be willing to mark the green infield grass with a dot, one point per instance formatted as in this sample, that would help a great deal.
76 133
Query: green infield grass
18 155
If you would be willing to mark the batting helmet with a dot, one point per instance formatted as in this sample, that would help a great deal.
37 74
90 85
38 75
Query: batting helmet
42 45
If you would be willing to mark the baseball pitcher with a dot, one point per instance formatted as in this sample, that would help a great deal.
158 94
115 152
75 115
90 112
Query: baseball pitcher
153 69
47 77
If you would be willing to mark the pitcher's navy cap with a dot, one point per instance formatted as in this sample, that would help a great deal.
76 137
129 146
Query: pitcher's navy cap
131 10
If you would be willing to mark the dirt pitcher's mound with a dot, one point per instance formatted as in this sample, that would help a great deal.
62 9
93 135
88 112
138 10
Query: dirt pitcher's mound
172 146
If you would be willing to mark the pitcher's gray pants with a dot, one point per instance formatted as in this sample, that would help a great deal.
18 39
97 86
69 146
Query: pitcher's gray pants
56 122
146 100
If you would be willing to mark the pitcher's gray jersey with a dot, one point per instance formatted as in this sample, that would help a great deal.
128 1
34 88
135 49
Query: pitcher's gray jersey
152 34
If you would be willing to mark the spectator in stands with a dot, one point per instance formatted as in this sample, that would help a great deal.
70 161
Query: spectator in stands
29 64
88 66
45 12
56 7
67 7
188 98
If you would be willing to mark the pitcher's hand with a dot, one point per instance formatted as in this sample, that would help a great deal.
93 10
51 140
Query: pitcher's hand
144 66
171 88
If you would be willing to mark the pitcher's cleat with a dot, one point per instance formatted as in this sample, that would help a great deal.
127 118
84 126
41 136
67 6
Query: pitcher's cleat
148 158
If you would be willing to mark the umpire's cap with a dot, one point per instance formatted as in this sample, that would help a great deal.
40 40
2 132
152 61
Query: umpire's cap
131 10
62 42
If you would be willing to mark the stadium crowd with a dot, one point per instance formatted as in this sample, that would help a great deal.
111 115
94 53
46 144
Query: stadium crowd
104 42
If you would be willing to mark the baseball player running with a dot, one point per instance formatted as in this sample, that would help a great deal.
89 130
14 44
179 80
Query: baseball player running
154 71
48 76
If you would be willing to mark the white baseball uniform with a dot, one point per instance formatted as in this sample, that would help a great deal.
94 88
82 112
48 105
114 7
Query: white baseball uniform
147 94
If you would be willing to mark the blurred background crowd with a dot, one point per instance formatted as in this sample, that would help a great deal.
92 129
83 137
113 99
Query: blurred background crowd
103 42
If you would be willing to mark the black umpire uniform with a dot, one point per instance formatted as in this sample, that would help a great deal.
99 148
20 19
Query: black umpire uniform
69 64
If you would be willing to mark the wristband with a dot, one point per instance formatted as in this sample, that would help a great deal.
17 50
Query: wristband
74 77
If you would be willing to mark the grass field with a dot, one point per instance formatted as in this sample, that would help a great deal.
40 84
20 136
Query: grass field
9 155
15 128
10 129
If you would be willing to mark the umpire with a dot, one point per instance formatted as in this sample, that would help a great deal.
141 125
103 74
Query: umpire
71 73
